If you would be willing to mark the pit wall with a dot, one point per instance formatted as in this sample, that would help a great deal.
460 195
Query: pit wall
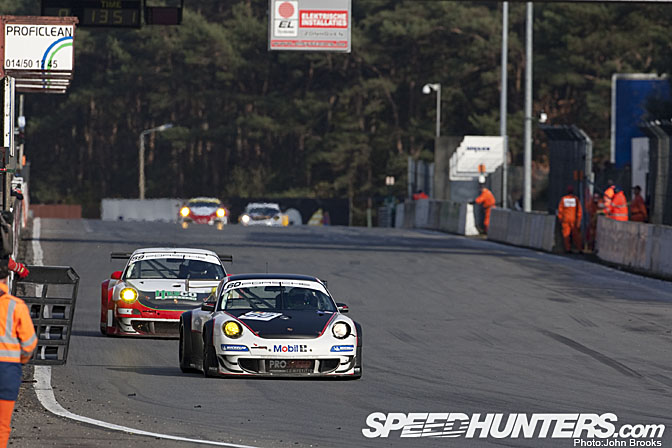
642 247
447 216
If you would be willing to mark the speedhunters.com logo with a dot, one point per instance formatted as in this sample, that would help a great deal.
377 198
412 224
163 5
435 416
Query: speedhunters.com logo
585 429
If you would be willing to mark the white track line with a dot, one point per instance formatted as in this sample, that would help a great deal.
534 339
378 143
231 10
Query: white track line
45 394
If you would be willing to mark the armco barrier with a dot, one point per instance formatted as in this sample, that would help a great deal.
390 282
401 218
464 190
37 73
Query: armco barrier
140 210
643 247
533 230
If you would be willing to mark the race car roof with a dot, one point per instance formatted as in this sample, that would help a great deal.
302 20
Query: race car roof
262 205
204 199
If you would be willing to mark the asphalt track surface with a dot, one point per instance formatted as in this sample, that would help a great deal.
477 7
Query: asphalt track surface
450 325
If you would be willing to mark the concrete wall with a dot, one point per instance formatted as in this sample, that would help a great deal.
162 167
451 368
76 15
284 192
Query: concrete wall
636 245
453 217
533 230
137 210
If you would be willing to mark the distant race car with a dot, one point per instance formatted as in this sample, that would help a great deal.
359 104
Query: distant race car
263 214
204 211
155 288
271 325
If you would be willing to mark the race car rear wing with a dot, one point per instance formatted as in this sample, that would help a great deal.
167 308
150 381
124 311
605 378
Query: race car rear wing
126 255
120 255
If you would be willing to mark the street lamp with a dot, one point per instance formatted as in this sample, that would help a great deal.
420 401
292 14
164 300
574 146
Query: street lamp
427 89
141 156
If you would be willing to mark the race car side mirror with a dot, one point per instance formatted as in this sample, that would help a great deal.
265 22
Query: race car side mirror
208 307
116 275
342 307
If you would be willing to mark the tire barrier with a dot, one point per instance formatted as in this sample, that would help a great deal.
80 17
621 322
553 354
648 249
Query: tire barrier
639 246
533 230
447 216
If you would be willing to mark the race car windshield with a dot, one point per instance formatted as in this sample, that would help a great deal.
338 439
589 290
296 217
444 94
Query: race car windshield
277 298
266 211
204 204
174 268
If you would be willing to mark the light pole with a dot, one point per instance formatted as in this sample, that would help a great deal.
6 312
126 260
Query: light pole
141 156
427 89
527 155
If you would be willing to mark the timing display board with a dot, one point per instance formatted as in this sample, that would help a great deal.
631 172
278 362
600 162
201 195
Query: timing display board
97 13
310 25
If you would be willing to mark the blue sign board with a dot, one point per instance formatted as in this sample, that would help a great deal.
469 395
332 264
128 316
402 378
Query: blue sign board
630 94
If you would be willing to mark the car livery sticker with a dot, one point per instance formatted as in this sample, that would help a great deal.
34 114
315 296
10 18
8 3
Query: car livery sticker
182 255
292 283
260 315
180 295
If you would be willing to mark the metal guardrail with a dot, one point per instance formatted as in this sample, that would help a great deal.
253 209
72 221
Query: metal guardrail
50 292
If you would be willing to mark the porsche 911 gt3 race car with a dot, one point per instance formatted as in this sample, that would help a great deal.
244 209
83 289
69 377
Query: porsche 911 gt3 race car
271 325
155 288
263 214
204 211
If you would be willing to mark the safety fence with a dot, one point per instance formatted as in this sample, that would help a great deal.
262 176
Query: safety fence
447 216
533 230
640 246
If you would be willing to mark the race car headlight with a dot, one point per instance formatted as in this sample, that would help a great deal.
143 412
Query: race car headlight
276 217
184 211
245 219
128 295
221 213
232 329
341 330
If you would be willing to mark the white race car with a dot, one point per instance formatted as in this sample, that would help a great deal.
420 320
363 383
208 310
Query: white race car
271 325
155 288
263 214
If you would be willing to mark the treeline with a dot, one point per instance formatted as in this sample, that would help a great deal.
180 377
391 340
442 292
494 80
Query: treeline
249 122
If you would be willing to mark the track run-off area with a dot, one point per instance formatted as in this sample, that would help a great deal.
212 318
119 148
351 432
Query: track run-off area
450 325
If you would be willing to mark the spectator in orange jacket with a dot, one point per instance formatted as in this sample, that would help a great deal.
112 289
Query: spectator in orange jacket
637 207
487 200
569 214
16 346
618 206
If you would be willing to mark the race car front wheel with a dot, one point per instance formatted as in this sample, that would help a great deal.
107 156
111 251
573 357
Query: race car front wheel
209 361
184 352
210 364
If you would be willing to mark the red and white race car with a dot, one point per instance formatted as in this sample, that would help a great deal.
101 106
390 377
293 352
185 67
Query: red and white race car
204 211
156 286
